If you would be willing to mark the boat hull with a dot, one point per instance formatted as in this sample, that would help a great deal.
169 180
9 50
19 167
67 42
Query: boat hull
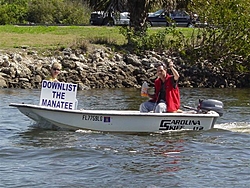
118 121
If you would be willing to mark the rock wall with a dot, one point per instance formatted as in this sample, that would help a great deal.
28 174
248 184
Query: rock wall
102 68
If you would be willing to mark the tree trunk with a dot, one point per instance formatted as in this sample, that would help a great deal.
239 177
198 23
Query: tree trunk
138 14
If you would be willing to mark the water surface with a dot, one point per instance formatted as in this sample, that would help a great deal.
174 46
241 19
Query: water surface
34 155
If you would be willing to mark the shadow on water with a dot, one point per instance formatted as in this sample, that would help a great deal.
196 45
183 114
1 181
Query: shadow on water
45 137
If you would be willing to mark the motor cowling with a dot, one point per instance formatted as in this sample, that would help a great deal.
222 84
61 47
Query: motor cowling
211 104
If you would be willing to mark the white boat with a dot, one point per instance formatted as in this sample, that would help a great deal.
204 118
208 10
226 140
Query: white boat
202 118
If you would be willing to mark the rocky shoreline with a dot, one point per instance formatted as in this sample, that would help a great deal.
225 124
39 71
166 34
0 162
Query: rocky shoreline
103 68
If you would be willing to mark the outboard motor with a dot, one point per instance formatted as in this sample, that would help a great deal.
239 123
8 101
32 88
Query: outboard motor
210 104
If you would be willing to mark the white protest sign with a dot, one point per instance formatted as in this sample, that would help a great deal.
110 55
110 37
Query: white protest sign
58 95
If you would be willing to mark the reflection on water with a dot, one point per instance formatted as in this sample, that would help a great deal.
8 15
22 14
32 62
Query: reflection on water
46 138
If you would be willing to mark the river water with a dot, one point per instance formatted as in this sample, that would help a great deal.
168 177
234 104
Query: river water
38 156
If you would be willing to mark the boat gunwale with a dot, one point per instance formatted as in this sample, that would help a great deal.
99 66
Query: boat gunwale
114 112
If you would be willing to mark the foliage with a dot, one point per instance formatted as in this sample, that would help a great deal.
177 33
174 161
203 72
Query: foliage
80 43
44 12
169 38
226 39
57 12
14 12
108 5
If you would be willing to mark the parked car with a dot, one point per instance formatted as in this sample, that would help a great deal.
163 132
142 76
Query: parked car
164 18
103 18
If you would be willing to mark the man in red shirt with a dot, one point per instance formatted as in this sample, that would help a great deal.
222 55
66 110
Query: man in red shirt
167 95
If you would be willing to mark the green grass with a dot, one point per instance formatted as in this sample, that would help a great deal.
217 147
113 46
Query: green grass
44 37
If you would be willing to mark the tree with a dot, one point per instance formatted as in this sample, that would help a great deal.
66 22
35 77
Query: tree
108 5
138 9
13 11
226 40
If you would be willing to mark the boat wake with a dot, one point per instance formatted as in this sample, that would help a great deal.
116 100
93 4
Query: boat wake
87 131
243 127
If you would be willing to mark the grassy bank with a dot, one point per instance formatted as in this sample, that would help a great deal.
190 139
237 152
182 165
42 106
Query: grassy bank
44 37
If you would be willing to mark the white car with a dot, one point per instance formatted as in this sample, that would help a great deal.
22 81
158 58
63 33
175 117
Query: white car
102 18
123 19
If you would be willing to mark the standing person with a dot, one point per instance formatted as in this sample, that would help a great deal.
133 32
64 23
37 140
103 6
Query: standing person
167 95
54 72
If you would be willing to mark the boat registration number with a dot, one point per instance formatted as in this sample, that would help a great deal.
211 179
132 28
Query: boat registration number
92 118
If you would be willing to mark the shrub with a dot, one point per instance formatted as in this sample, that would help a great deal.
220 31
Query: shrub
11 13
44 12
58 12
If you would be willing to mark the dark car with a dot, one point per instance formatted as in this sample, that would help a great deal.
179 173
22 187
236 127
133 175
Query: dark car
164 18
98 18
